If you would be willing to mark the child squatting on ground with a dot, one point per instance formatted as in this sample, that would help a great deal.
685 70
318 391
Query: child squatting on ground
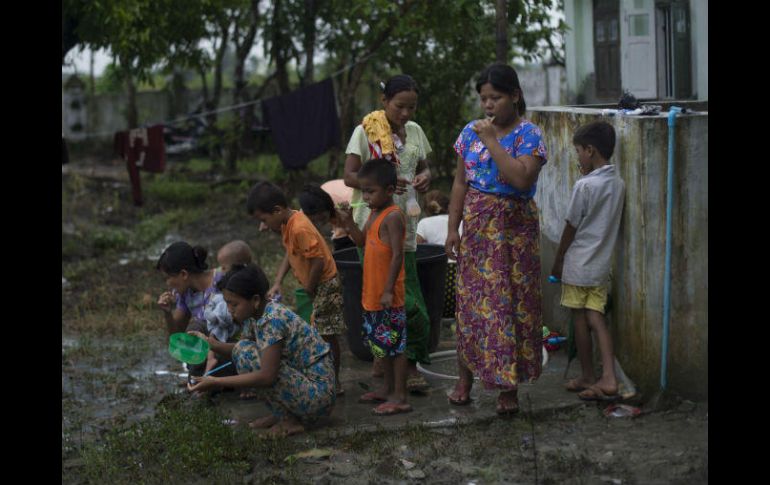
585 255
191 301
309 258
382 295
280 354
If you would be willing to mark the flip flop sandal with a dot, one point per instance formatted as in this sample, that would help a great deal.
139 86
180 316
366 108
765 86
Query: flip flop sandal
391 408
416 384
371 397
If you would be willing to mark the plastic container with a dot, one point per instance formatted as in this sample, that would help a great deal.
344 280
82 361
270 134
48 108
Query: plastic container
303 303
412 206
188 348
431 272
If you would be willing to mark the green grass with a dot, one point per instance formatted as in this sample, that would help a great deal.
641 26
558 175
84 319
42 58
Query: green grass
166 190
181 443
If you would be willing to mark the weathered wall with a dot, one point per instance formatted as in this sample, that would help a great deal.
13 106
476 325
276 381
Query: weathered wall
641 155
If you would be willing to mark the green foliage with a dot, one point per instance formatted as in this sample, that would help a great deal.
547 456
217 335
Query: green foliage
443 59
177 192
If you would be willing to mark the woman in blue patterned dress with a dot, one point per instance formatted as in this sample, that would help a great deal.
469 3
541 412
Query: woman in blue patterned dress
281 355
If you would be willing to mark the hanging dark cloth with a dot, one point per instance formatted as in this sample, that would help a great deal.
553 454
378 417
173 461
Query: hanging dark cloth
142 149
304 123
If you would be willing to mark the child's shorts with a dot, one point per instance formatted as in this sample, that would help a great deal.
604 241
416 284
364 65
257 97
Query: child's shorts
385 331
588 297
327 308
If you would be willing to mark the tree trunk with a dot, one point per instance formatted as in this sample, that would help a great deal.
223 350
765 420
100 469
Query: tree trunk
242 50
501 22
311 7
91 77
278 48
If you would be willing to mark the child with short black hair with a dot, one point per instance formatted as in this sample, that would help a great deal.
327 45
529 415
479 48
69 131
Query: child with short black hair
585 255
309 258
319 207
383 292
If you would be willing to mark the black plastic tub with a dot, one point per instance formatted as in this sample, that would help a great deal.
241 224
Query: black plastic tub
431 271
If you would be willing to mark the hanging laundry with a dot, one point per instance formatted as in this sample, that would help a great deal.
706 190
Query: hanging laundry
142 149
304 123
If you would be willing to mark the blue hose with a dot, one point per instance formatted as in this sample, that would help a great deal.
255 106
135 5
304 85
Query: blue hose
672 112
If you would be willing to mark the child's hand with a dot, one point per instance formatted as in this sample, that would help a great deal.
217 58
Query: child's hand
557 268
204 383
344 214
273 291
386 300
401 184
198 334
165 300
421 183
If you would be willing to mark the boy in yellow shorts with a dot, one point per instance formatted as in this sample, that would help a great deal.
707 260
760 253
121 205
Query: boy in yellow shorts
585 255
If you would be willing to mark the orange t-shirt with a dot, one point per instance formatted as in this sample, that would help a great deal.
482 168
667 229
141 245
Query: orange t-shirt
377 256
303 242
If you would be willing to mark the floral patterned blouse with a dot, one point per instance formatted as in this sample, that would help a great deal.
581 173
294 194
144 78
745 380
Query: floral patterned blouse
481 171
303 346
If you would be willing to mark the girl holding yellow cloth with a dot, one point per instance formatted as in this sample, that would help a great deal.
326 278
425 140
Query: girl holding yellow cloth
390 133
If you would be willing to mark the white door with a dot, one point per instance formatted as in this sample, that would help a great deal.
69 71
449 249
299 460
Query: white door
638 67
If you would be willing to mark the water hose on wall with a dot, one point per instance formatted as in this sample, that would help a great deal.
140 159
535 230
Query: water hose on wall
672 112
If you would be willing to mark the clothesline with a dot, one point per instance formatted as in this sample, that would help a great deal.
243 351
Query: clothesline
221 110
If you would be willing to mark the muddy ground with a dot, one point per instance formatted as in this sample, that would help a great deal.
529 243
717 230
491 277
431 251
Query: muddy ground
125 418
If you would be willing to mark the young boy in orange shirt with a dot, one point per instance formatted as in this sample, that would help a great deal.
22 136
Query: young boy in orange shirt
309 258
382 295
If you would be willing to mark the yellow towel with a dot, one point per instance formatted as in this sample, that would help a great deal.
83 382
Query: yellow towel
377 129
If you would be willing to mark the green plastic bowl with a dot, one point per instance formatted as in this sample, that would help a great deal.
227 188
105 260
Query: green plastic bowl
188 348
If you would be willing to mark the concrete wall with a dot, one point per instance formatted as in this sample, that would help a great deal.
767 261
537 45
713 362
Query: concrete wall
641 155
543 86
105 114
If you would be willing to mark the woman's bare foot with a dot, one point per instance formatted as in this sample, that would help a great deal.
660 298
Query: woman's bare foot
578 384
508 403
461 395
264 422
286 427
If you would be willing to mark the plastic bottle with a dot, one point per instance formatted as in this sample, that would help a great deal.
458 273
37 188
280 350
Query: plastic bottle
412 206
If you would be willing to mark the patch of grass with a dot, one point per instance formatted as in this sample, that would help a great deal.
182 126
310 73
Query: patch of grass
152 228
122 321
104 239
199 165
169 191
179 444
